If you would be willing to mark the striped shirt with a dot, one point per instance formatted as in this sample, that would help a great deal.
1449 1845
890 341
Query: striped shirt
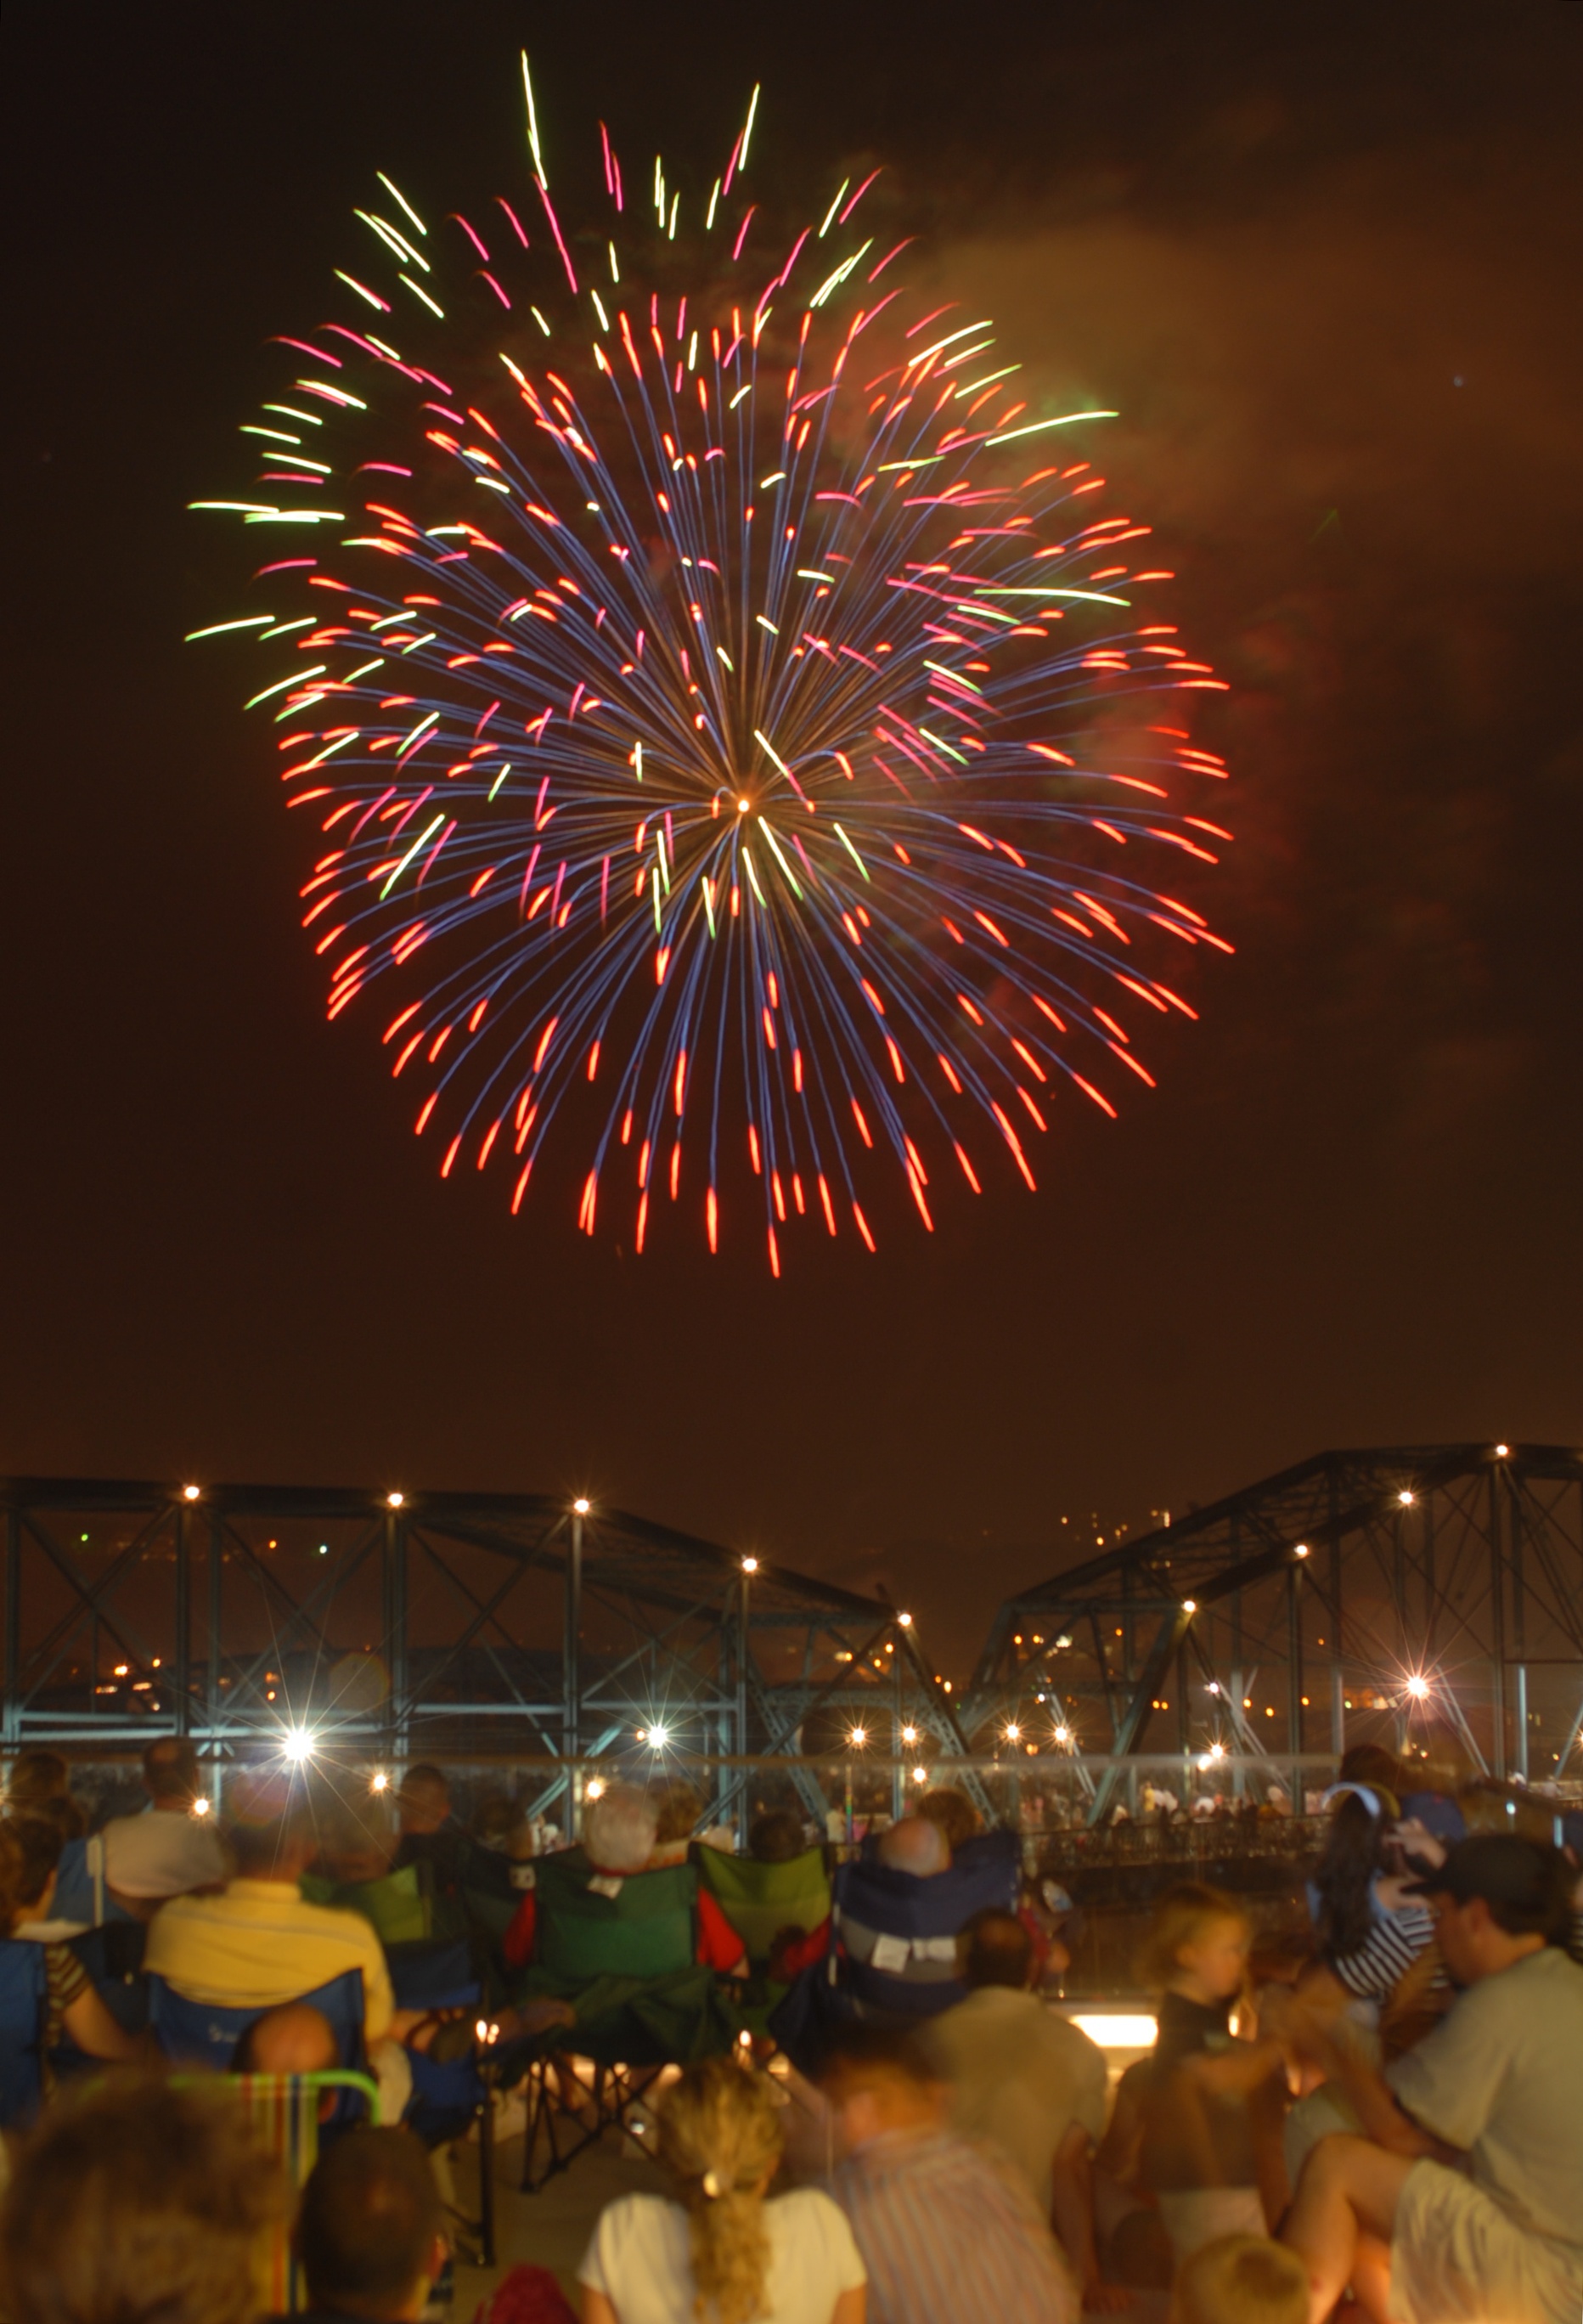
950 2235
1377 1966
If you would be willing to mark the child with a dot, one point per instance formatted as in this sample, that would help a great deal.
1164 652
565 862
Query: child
718 2249
1243 2280
1213 2102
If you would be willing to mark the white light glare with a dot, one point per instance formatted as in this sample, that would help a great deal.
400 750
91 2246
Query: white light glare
1502 1451
200 1807
1013 1732
1118 2033
859 1736
1406 1498
1417 1686
582 1505
1300 1550
394 1500
1190 1605
749 1565
659 1737
379 1781
905 1620
190 1492
595 1789
297 1744
1217 1750
910 1734
1063 1734
920 1775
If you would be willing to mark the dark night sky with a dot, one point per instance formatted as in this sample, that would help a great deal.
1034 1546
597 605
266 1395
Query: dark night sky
1325 260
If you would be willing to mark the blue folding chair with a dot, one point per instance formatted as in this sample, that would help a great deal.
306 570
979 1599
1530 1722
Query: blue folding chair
892 1951
447 2096
205 2033
23 1998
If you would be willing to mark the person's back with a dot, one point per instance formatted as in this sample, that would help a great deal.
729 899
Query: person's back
948 2231
719 2248
1019 2075
170 1849
258 1942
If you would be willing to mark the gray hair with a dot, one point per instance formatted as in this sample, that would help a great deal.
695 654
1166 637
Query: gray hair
619 1828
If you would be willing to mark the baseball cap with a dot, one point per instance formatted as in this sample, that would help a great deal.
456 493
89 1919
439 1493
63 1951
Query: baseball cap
1496 1865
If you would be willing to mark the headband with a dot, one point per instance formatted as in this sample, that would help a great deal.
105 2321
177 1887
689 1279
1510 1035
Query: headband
1381 1804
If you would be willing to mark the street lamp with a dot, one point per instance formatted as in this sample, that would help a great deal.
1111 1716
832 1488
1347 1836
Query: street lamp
190 1492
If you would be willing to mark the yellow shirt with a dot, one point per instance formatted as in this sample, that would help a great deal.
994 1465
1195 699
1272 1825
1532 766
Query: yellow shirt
260 1942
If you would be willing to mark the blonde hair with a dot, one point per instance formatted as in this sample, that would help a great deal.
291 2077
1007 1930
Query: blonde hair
720 2138
1181 1918
1242 2280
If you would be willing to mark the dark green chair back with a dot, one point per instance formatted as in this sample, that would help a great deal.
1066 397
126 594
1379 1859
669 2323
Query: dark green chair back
642 1926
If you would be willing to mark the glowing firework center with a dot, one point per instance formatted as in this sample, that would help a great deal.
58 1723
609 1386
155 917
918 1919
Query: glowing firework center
772 773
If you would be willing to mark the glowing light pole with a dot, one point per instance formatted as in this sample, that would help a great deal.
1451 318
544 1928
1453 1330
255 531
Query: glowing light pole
571 1678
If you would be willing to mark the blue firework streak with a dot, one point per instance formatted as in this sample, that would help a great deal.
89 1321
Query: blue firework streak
702 701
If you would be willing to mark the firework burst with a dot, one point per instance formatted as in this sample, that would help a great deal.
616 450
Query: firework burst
726 709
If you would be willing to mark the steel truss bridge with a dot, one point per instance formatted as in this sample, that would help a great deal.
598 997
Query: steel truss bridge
1359 1594
468 1627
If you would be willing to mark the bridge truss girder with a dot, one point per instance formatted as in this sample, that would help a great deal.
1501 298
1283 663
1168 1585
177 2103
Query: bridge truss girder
1430 1583
400 1626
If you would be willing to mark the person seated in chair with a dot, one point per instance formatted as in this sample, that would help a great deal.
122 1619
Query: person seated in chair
259 1942
618 1844
170 1849
916 1844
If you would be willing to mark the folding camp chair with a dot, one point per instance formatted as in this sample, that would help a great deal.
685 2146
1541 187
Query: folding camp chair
283 2116
23 1999
205 2033
448 2096
622 1951
760 1900
399 1907
892 1951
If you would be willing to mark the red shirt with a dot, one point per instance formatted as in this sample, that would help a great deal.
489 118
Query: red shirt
718 1946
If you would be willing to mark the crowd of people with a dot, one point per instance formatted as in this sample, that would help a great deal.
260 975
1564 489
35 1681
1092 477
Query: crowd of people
862 2103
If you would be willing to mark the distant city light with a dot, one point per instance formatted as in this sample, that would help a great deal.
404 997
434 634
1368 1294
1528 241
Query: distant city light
1502 1451
1300 1550
910 1734
1406 1498
1013 1732
595 1788
1063 1734
1190 1605
905 1620
920 1775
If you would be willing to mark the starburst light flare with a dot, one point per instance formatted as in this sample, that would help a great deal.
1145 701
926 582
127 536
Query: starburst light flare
751 783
